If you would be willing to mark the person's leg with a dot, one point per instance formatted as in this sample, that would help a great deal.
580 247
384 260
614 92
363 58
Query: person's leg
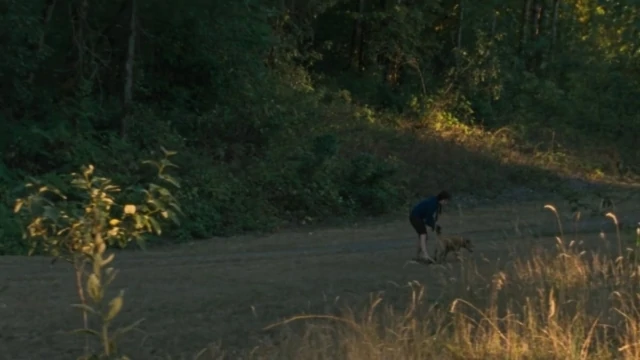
421 229
423 243
424 254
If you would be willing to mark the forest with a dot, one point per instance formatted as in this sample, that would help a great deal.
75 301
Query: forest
297 111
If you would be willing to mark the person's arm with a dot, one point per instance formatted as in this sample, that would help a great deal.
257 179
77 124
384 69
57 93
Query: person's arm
432 218
432 214
430 222
438 211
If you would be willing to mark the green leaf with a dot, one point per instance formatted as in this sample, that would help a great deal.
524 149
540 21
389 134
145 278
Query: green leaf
85 332
170 179
168 153
123 330
86 308
152 163
50 212
174 218
165 163
155 226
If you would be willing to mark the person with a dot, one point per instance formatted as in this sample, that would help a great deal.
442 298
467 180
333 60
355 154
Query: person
424 214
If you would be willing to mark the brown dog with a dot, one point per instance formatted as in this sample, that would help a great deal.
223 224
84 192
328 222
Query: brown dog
452 244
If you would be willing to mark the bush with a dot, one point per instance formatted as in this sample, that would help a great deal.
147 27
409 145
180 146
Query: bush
79 229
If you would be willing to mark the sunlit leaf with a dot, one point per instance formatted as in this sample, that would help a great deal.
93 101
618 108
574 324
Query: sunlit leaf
165 163
93 287
88 171
113 231
115 305
18 205
130 209
168 152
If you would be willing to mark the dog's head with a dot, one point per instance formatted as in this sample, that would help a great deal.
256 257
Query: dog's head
466 243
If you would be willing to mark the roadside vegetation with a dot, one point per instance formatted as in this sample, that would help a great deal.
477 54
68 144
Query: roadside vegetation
280 113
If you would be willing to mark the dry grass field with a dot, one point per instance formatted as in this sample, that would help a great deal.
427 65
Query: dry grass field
522 294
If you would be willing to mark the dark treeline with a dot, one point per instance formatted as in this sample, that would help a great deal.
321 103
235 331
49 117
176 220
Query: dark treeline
302 109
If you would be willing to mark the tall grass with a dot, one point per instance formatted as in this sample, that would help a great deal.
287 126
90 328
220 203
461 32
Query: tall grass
559 303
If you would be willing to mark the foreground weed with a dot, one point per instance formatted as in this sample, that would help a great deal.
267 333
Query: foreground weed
80 227
559 302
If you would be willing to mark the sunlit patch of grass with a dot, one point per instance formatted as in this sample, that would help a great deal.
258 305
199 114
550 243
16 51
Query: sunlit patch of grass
508 144
560 303
468 156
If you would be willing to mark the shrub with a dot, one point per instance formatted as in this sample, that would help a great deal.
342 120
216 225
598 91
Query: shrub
81 226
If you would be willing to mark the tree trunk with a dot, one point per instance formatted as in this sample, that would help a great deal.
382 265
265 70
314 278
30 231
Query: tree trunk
356 39
536 16
128 75
554 28
46 18
79 36
392 71
459 39
361 53
523 26
494 23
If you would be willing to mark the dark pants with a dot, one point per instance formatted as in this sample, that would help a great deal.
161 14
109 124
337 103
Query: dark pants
418 225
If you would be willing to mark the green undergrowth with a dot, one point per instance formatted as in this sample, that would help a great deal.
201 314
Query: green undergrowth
276 121
361 162
356 162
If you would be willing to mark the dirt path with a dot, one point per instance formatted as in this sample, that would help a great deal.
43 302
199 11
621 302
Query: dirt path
228 289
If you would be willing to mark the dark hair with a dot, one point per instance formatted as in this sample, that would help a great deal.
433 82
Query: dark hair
444 195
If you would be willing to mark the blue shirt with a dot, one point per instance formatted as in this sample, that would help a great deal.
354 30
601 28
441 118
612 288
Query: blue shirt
427 210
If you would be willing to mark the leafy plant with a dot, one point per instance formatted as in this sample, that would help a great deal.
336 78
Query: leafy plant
81 226
368 184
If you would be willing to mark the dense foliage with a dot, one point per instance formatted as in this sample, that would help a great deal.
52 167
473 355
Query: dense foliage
294 110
